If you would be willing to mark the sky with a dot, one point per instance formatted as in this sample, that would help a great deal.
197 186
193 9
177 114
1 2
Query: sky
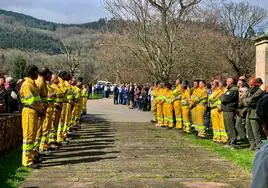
71 11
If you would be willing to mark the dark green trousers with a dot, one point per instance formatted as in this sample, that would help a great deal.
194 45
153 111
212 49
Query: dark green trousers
229 124
253 131
240 127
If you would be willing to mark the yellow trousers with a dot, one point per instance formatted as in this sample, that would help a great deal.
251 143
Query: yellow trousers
60 136
84 105
39 132
193 116
223 133
46 127
75 114
80 111
169 115
67 119
178 113
215 121
165 109
186 119
55 123
154 109
160 115
29 128
200 120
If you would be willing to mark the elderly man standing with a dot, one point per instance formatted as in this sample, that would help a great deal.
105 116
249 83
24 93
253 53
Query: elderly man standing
229 101
252 126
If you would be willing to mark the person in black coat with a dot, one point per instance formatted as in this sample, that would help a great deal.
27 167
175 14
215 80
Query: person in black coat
131 95
116 94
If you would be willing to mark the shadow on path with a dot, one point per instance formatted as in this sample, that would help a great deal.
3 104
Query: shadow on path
89 144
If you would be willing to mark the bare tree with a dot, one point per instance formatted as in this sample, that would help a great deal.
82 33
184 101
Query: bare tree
239 22
151 28
72 52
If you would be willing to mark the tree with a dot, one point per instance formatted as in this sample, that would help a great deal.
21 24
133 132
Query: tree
19 67
239 22
150 28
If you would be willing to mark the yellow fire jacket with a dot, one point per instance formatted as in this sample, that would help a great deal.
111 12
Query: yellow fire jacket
30 95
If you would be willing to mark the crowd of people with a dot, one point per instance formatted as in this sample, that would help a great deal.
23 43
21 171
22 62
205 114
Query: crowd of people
226 106
51 107
133 95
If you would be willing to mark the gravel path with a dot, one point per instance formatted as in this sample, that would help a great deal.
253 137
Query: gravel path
117 148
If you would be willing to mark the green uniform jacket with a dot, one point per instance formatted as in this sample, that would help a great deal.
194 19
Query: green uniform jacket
229 99
251 101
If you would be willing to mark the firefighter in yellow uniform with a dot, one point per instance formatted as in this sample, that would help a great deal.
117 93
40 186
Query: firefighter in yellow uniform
63 75
47 124
160 102
80 103
165 105
194 94
76 105
58 104
154 94
69 105
200 101
169 99
177 105
185 107
84 99
223 137
44 75
215 114
30 114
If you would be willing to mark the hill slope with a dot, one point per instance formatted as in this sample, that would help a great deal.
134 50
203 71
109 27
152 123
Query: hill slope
10 17
25 32
27 39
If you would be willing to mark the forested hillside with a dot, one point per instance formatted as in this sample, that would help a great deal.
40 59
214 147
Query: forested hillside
20 31
10 17
27 39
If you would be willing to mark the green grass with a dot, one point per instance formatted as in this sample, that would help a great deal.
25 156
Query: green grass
11 171
241 157
95 96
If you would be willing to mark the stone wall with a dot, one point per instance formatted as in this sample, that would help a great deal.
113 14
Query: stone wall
10 132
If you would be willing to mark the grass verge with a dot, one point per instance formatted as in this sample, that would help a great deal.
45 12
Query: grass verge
11 171
241 157
95 96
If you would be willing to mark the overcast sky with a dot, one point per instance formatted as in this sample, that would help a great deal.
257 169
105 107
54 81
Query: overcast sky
70 11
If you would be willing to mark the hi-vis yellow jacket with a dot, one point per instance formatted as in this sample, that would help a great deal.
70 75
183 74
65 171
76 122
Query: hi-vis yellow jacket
214 98
185 97
177 92
59 94
42 88
30 95
200 96
169 96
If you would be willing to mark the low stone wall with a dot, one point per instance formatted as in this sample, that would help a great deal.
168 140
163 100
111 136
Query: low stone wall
10 132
